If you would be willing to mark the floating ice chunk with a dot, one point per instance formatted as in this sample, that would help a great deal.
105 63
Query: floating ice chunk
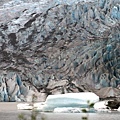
79 100
67 110
118 109
82 97
24 106
71 110
39 106
103 110
101 106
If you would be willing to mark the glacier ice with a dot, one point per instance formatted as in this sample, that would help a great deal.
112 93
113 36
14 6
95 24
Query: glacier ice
79 100
101 106
24 106
67 110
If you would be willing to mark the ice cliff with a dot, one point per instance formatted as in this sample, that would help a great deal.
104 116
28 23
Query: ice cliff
58 46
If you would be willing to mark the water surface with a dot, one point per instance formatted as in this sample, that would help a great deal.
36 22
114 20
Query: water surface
8 111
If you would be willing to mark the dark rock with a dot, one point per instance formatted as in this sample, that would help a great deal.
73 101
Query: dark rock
113 104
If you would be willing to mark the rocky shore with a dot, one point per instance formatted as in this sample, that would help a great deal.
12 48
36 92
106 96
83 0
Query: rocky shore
56 47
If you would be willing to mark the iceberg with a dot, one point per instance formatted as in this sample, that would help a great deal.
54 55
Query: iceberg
107 105
74 100
67 110
24 106
39 105
101 106
118 109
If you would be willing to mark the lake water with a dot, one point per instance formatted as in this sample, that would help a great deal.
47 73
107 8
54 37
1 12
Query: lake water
13 115
9 111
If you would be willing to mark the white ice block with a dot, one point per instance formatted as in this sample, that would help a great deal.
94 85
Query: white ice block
67 110
101 106
79 100
24 106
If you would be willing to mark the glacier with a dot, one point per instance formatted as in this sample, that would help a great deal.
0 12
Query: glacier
58 46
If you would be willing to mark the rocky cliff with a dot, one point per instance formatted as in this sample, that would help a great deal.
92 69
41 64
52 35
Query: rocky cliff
58 46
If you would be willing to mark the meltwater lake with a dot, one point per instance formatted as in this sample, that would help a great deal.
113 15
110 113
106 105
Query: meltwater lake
9 111
13 115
